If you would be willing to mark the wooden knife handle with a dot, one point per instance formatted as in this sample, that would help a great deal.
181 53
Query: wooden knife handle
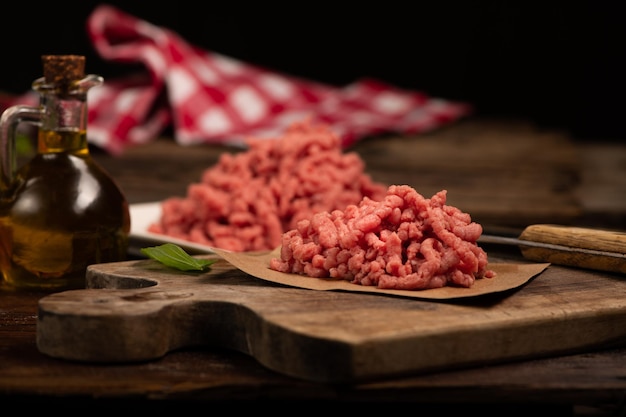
603 250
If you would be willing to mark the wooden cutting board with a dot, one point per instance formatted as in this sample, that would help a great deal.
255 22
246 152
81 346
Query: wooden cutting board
141 310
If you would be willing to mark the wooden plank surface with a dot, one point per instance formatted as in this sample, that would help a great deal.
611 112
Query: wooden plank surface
141 310
502 173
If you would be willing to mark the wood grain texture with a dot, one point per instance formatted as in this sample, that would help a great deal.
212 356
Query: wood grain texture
602 250
577 237
502 173
141 310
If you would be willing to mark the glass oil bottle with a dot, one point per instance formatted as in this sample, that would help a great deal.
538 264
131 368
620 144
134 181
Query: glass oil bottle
59 211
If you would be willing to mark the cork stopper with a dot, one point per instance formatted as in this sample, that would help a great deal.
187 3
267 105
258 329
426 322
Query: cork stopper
63 69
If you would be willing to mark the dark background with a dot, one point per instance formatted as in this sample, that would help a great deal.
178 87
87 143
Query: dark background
560 64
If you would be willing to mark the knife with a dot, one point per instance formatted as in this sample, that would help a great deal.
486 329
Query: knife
597 249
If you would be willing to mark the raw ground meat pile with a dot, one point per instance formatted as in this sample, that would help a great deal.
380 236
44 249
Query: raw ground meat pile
402 241
247 200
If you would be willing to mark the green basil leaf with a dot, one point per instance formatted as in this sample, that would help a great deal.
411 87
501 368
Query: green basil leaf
174 256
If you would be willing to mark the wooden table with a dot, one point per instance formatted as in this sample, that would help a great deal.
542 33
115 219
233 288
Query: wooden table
506 173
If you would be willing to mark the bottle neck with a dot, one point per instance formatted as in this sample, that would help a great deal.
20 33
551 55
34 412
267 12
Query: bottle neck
62 140
63 125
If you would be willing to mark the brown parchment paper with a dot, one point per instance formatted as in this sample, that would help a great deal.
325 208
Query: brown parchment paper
509 276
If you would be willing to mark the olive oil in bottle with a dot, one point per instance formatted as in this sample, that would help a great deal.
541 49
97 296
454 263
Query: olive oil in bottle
60 211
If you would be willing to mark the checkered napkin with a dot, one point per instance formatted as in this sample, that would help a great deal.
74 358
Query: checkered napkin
208 97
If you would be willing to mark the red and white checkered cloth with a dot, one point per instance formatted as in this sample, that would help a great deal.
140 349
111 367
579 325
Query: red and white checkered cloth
208 97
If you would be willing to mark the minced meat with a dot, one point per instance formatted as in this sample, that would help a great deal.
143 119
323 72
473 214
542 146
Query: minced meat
402 241
247 200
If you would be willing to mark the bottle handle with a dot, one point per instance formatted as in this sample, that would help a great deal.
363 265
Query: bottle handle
9 122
